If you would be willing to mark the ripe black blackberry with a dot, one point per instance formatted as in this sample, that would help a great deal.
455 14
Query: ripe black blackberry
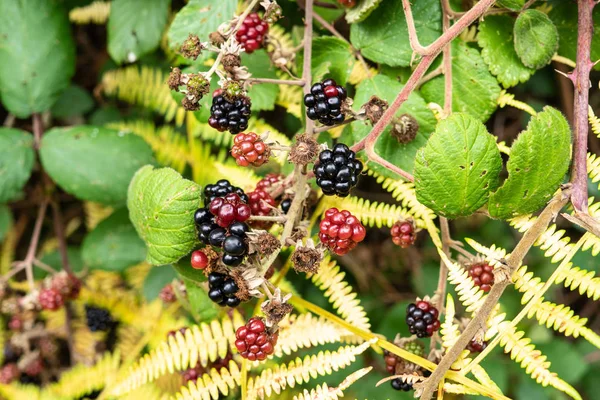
231 239
285 205
229 115
98 319
422 319
324 102
221 189
337 170
222 290
401 384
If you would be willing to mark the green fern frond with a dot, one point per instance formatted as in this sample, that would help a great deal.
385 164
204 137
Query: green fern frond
300 371
212 384
323 392
339 293
145 87
95 13
532 360
469 294
369 213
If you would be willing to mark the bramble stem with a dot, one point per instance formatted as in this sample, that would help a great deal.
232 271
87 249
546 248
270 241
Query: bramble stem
326 128
293 82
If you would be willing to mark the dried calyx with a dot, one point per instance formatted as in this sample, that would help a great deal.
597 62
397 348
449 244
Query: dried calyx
374 109
306 258
191 47
304 150
405 128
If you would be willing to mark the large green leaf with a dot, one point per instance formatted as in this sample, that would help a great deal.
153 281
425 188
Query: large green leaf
114 244
361 11
94 163
498 50
156 279
202 307
539 160
263 96
75 100
475 90
6 220
200 17
536 38
336 54
512 4
37 55
458 167
161 206
388 147
383 36
135 27
16 161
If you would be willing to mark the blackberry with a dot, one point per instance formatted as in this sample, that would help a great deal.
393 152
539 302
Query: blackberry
50 299
285 205
337 170
199 259
222 290
404 233
324 102
261 203
401 384
391 360
483 275
340 231
422 319
229 209
229 115
221 189
268 181
98 319
254 341
476 346
249 149
9 372
252 33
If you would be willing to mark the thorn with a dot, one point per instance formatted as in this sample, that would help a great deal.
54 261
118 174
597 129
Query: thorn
566 75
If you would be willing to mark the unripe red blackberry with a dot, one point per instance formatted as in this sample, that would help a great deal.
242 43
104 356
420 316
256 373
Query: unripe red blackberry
337 170
192 374
404 233
476 346
9 373
35 367
199 259
422 319
249 149
261 203
229 209
229 115
347 3
324 102
254 341
268 181
67 284
391 360
483 275
252 33
340 231
16 323
50 299
167 294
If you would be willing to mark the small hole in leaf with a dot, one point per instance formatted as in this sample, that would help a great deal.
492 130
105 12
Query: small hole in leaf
517 169
487 185
461 166
472 164
525 194
483 173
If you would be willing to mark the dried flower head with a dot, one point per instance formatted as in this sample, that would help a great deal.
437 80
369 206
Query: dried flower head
230 62
174 80
191 47
276 308
375 108
405 128
216 38
304 150
307 258
272 11
267 244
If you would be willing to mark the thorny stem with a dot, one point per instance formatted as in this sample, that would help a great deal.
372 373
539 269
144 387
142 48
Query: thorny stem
242 17
412 31
293 82
581 80
447 64
440 292
512 263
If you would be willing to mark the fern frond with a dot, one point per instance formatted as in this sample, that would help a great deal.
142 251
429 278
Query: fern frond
147 392
369 213
323 392
482 376
594 121
17 391
103 281
128 338
170 147
211 384
300 371
95 213
508 99
201 343
95 13
593 167
469 294
527 283
532 360
339 293
290 98
449 331
583 280
146 87
457 388
136 275
243 177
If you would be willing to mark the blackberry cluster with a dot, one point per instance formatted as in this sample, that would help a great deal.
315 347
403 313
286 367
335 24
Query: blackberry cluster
98 319
229 115
268 181
261 203
422 319
404 233
401 384
249 149
221 189
50 299
252 33
254 341
340 231
222 290
482 275
324 102
337 170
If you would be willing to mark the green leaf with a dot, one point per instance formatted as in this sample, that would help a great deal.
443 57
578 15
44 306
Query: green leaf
539 160
263 95
161 207
536 38
512 4
75 100
157 279
37 53
401 155
16 162
498 50
135 27
202 307
114 244
185 270
458 167
200 17
336 53
94 163
475 90
6 220
383 36
361 11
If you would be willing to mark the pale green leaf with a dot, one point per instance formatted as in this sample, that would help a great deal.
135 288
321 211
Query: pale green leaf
263 96
202 307
37 55
458 167
498 50
157 279
6 220
336 53
135 27
361 11
539 160
114 244
474 88
383 36
512 4
200 17
388 147
161 207
73 101
94 163
536 38
16 161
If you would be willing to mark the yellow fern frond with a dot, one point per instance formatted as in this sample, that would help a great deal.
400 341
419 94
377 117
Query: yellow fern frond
170 147
103 281
532 360
482 376
17 391
83 379
290 98
593 167
282 37
95 13
469 294
369 213
243 177
582 280
146 87
146 392
457 388
95 213
450 334
339 293
470 34
201 343
527 283
508 99
128 338
205 133
594 121
323 392
136 275
300 371
211 384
